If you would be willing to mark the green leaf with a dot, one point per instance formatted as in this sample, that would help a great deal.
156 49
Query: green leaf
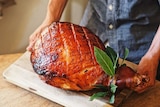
98 95
112 99
113 88
108 60
111 53
115 63
104 61
125 55
100 86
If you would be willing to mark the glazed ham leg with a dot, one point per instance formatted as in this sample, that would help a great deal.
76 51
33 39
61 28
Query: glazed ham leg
63 56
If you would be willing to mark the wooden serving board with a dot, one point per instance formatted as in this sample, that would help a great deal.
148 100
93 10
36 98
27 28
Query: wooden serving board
21 74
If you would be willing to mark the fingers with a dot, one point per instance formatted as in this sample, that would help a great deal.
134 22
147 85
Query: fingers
32 41
36 34
142 88
30 47
145 85
141 83
33 38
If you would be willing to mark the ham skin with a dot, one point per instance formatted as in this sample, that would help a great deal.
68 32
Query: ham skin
63 56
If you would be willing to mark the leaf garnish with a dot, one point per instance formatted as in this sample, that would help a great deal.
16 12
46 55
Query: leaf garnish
113 88
101 87
115 63
126 52
98 95
113 55
112 99
104 61
108 60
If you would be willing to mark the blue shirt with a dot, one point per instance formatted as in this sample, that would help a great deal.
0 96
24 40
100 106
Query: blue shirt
124 24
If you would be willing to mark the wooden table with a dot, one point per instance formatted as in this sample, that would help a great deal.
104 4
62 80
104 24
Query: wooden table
14 96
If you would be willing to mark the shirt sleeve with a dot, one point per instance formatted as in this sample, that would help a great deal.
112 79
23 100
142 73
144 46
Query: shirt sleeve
159 2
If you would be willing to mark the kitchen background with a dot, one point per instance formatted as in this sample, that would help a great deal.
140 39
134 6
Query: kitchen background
20 20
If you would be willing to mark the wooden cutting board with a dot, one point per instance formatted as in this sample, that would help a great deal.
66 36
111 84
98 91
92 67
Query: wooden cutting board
21 74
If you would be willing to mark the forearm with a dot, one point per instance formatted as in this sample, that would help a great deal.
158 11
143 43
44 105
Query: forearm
55 10
149 63
155 46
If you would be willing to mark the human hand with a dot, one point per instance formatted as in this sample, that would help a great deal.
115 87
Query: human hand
33 37
54 12
147 68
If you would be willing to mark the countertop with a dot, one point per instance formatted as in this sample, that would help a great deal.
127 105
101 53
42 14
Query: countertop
14 96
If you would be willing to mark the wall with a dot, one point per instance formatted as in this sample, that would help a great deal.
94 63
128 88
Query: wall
74 11
20 20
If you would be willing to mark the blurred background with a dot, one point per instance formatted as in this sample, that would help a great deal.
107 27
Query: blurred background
20 20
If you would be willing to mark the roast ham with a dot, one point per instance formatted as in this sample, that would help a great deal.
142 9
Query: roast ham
63 56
